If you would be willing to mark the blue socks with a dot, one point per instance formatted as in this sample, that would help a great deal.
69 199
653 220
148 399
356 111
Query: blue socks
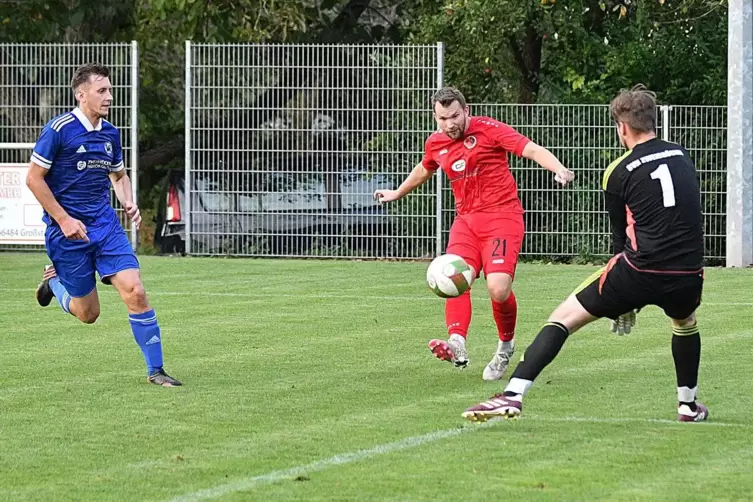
147 334
144 326
61 295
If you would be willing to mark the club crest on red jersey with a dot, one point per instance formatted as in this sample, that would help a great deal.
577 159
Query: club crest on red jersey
470 142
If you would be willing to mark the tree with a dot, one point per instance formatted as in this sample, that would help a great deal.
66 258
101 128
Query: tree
642 42
69 21
577 50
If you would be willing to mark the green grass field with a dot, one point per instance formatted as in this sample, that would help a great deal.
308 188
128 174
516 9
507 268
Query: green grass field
309 380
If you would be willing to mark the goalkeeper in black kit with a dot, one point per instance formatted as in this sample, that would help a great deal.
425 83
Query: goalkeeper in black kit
653 198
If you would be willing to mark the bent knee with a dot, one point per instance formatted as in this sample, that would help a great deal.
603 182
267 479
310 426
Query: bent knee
499 292
684 323
135 296
89 316
571 314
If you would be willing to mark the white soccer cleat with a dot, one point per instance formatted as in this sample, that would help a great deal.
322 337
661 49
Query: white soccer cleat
452 350
499 363
685 414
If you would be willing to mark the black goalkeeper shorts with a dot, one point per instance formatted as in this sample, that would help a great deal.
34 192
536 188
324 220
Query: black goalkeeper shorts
619 288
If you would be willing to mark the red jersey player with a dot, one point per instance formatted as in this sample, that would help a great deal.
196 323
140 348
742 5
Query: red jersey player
488 229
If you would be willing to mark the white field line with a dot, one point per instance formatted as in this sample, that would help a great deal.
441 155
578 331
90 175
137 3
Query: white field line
319 465
405 444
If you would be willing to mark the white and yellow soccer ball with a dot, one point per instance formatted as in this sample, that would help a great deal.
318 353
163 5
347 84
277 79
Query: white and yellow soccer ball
449 276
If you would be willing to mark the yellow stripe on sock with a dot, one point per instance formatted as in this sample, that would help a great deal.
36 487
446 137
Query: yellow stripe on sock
686 330
557 325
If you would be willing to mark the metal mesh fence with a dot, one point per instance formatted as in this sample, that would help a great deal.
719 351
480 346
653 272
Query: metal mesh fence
560 222
35 87
703 131
573 222
287 144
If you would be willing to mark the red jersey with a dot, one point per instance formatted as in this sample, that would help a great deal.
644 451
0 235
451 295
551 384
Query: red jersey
477 166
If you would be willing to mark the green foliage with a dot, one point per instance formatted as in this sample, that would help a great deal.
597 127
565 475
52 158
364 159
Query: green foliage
578 50
66 21
165 25
476 35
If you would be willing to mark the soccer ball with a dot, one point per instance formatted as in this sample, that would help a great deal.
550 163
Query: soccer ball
449 275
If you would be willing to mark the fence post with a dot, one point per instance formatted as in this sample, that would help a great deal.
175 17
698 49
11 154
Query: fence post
439 176
187 159
739 134
135 135
665 122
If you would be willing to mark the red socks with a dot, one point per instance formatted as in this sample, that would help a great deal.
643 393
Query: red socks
457 314
506 315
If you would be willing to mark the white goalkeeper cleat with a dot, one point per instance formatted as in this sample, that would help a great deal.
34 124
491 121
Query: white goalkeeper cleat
497 406
685 414
499 363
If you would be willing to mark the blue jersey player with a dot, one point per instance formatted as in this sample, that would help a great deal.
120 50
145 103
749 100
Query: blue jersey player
77 157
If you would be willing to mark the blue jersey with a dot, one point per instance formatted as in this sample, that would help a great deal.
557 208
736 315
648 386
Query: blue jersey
80 158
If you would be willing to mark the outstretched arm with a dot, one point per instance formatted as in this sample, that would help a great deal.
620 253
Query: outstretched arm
548 161
417 177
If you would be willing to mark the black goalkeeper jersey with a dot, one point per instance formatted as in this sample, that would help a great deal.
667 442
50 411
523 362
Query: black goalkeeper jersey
654 203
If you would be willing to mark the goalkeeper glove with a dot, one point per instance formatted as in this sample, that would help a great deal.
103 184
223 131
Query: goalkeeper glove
624 323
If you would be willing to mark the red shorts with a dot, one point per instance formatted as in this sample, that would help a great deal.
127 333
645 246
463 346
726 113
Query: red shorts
488 241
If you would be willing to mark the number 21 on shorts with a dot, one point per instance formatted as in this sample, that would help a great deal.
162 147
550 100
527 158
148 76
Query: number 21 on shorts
499 248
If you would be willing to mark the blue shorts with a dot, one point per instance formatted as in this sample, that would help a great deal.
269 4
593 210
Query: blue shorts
108 252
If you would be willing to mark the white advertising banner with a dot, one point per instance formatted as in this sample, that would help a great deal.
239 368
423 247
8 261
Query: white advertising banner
20 213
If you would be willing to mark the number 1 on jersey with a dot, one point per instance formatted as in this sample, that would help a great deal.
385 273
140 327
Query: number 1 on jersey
667 188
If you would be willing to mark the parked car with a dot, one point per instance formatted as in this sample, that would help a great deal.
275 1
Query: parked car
289 217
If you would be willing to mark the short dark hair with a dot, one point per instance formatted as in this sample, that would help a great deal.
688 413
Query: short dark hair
636 108
82 74
446 96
